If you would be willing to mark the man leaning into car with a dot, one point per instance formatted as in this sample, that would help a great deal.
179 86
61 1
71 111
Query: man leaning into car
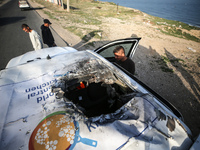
122 60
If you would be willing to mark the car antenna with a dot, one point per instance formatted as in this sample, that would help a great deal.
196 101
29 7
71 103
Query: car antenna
48 57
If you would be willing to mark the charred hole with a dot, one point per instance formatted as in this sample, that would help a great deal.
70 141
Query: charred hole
96 91
95 99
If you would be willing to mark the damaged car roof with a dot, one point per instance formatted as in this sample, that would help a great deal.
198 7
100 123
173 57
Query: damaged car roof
68 99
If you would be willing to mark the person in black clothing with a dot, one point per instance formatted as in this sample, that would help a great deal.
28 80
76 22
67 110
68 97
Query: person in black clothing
46 34
122 60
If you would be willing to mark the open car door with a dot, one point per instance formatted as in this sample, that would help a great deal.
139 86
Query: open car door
129 44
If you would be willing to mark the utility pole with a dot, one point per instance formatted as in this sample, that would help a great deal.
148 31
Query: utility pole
62 4
67 5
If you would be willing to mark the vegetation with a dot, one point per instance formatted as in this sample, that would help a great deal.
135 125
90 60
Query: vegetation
175 28
51 15
179 33
198 60
164 61
177 24
87 12
92 12
90 33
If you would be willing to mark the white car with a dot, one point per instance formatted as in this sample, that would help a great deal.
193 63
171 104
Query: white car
61 98
23 4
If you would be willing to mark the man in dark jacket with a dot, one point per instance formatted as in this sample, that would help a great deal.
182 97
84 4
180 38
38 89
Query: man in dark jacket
122 60
46 34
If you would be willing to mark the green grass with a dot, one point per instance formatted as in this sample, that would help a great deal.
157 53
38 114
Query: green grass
166 69
91 12
190 37
176 60
174 28
51 15
163 62
89 33
92 34
198 61
74 30
91 44
179 33
162 21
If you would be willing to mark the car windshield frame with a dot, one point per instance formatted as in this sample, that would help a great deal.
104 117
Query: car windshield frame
129 44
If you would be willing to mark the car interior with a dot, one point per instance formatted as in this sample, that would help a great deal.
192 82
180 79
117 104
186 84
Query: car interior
94 88
95 99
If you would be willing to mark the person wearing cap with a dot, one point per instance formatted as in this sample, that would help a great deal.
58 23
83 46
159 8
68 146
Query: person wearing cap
46 34
34 36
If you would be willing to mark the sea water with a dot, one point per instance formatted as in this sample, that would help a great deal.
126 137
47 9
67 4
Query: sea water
187 11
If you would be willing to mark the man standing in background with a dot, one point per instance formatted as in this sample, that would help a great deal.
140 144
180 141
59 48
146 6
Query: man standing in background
34 36
46 34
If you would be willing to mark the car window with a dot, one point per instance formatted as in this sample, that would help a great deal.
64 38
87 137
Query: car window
108 52
129 45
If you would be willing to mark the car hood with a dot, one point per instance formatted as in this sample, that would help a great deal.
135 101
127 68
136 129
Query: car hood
33 117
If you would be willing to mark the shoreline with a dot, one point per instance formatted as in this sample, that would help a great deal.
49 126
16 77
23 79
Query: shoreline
153 13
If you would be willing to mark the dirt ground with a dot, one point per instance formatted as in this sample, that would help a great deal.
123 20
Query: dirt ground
167 64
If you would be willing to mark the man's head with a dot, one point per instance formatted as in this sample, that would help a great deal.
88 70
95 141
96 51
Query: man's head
47 23
26 28
119 53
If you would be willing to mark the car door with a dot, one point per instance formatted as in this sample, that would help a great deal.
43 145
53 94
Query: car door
129 44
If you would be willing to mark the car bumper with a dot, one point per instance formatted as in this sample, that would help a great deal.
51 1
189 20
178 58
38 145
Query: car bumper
24 6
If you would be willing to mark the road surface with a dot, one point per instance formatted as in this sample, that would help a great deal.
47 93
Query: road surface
13 40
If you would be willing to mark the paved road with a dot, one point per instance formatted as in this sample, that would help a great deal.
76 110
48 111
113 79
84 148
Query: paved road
13 40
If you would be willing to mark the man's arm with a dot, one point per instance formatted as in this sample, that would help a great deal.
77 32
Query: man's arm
38 42
45 36
129 65
132 67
